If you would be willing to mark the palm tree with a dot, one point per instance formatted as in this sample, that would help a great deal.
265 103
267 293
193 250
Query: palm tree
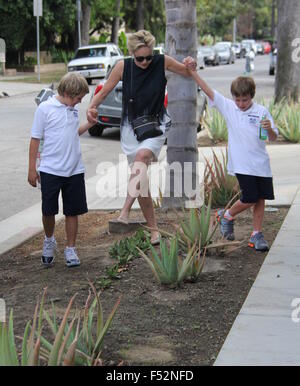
287 82
181 41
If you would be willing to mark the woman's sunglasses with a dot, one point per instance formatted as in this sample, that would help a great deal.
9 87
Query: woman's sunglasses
140 59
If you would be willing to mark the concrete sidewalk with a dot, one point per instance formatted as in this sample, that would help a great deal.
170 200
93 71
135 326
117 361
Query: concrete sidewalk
19 88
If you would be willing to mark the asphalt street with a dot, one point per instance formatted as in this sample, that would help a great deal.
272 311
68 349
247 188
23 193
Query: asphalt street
17 113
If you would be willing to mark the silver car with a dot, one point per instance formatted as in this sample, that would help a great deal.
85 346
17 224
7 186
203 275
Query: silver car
110 110
95 61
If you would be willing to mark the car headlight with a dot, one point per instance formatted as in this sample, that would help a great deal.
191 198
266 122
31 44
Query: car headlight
71 68
101 65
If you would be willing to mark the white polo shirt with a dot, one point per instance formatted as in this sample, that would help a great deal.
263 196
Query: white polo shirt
57 124
247 153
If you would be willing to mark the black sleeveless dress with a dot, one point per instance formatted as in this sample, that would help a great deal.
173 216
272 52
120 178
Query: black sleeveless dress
148 92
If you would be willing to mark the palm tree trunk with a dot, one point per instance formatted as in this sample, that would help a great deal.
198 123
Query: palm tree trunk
287 82
181 41
140 15
116 23
85 24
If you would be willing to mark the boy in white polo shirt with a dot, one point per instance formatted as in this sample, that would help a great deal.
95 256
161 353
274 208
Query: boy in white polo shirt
61 169
248 159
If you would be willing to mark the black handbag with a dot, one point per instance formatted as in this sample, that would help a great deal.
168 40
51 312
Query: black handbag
146 126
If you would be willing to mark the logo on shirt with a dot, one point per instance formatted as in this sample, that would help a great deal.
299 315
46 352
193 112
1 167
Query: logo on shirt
75 113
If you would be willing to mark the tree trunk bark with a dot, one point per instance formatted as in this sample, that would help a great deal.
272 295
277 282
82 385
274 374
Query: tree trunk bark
85 24
287 83
273 22
140 22
182 150
116 23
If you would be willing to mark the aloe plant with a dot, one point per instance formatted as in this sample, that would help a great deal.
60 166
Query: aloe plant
73 343
216 126
170 267
218 184
289 127
277 110
88 347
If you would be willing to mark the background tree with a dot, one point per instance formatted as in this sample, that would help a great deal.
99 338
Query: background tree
181 41
116 22
287 82
86 6
140 15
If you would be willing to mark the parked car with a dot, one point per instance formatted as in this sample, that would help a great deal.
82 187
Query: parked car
260 48
226 55
95 61
158 50
239 49
273 62
267 47
110 110
210 55
200 60
252 44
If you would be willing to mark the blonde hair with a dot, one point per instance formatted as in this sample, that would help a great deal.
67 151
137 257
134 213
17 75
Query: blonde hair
140 39
72 85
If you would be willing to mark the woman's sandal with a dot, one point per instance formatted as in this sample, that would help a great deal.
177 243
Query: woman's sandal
122 220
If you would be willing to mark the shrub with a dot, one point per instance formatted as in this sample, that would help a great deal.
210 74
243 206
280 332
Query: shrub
289 126
218 184
216 125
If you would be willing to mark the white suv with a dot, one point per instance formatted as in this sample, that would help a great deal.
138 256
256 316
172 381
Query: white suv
95 61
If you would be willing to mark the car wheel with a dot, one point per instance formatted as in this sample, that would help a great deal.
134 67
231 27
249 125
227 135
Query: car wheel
272 71
89 81
96 131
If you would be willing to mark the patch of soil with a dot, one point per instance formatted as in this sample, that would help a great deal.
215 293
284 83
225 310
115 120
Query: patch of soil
154 324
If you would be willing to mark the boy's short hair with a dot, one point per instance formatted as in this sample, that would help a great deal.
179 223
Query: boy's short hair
72 85
242 86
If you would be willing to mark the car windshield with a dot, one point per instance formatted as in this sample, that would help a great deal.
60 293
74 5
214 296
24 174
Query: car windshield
222 47
205 50
91 52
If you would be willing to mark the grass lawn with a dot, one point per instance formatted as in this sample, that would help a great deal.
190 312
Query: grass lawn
49 77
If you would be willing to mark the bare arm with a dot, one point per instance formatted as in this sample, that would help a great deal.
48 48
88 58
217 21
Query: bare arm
33 150
84 127
174 66
112 81
203 85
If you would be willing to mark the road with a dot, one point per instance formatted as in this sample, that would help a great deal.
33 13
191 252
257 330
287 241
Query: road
17 112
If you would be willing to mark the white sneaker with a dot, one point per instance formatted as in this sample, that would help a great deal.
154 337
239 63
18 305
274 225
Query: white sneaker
49 251
71 257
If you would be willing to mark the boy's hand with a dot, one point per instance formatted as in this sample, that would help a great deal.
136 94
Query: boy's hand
33 177
190 63
92 115
266 124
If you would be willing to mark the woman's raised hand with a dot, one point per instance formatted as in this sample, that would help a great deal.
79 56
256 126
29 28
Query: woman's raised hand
190 63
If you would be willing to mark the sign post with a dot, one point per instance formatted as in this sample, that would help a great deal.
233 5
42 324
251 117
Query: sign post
38 11
78 17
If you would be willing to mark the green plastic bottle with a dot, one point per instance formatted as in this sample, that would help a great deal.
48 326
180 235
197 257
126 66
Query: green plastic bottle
263 133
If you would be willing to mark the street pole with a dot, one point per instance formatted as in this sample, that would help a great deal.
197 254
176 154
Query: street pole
234 23
38 11
78 21
38 41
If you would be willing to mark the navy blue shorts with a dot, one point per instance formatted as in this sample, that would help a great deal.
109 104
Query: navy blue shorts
73 194
254 188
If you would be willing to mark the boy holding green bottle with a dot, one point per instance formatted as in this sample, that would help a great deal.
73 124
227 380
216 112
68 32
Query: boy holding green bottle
249 125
